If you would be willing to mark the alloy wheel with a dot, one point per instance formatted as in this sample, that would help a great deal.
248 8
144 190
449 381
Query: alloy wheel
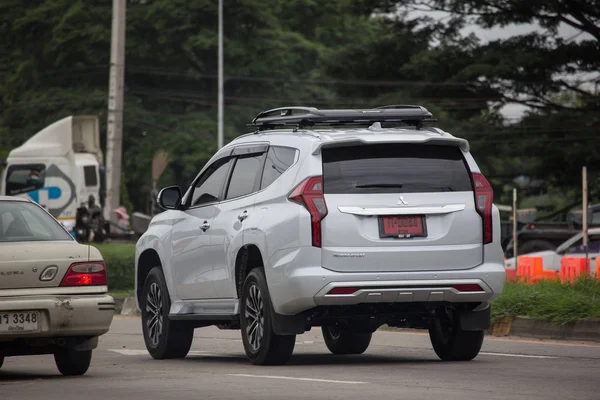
154 308
254 313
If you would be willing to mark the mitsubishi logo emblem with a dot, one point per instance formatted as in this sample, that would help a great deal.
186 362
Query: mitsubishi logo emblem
402 201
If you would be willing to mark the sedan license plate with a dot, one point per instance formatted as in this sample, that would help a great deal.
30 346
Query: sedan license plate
402 226
19 321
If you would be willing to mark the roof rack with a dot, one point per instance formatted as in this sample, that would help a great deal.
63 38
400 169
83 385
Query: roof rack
301 117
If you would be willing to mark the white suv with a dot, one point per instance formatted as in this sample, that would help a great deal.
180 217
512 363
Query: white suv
342 219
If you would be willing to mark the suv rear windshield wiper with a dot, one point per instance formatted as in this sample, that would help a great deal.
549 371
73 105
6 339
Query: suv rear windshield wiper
380 185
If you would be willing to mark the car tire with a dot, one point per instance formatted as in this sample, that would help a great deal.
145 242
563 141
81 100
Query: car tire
262 345
340 341
452 343
71 362
164 338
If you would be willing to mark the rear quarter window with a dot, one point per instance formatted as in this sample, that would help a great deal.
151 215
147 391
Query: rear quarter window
395 168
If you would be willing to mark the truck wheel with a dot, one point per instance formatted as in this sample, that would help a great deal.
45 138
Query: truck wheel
452 343
71 362
341 341
535 245
164 338
262 345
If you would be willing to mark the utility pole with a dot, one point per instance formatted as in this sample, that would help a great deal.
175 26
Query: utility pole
220 139
515 237
584 209
114 134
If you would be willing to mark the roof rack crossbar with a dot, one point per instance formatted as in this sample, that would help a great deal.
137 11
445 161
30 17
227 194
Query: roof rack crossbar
310 116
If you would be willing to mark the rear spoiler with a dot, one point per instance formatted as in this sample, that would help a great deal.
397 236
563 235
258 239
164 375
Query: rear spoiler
446 141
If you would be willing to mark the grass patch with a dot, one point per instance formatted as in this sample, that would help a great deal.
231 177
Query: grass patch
120 265
550 301
121 294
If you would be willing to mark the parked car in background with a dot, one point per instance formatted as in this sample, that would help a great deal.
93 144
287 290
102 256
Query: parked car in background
543 234
53 292
571 248
341 219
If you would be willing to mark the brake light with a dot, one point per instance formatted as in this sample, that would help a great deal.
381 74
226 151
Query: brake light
85 274
484 197
309 193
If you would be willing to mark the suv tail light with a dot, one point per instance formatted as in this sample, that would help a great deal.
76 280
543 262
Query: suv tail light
85 274
309 193
484 197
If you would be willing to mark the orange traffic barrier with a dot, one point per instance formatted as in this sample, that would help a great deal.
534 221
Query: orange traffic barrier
597 269
550 275
530 269
511 275
571 268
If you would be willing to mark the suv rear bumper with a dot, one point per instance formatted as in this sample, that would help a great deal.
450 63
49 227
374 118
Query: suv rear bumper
294 289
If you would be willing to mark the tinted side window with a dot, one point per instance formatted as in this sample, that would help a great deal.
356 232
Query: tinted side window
244 176
24 178
394 168
279 159
90 176
209 187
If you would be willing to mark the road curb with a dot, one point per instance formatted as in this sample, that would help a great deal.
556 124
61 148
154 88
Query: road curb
126 306
119 305
584 330
130 307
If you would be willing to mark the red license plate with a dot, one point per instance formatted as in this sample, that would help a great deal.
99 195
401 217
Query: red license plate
402 226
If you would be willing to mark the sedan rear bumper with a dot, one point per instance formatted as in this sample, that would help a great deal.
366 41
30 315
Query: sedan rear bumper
62 315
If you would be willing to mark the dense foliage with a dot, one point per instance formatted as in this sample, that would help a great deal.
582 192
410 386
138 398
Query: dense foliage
55 55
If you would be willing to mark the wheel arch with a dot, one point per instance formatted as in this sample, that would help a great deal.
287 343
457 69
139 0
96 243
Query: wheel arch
248 257
147 260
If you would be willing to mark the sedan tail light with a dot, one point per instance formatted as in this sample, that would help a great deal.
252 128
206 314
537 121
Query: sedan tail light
85 274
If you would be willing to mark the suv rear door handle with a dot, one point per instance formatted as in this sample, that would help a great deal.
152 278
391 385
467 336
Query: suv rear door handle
243 216
205 226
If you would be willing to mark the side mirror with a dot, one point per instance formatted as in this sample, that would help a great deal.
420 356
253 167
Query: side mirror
169 198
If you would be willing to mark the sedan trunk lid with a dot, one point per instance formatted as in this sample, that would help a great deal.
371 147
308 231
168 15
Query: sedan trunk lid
22 264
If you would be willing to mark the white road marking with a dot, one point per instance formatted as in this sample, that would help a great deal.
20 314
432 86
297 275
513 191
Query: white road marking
131 352
515 355
306 342
291 378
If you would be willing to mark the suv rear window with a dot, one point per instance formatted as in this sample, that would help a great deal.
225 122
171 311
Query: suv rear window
394 168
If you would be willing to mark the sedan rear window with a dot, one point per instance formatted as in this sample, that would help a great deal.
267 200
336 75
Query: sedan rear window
24 221
394 168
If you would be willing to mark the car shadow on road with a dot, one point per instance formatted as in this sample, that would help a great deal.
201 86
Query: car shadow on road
318 359
9 376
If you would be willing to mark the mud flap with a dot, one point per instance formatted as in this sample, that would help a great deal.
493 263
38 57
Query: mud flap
475 320
287 324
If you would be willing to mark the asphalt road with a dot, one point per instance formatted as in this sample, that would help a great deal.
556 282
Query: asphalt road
398 365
